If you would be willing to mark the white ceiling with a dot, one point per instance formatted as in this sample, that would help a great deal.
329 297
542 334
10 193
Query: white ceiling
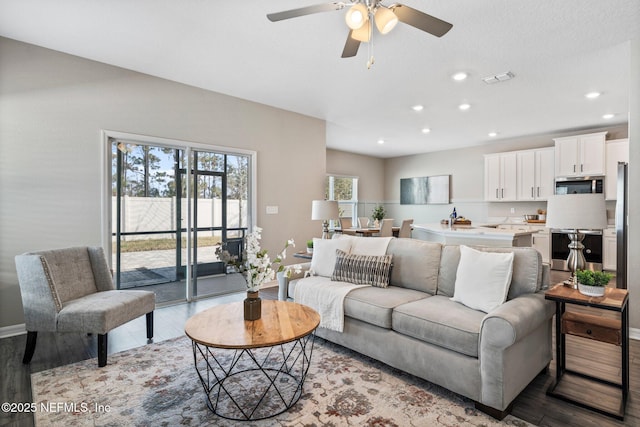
558 51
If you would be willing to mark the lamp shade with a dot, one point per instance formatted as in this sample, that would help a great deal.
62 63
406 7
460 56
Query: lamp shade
577 211
324 210
363 33
356 16
385 20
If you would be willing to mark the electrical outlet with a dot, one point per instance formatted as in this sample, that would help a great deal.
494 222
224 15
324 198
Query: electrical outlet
272 210
513 210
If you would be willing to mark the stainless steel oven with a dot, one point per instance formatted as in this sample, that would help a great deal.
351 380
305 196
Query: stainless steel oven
592 249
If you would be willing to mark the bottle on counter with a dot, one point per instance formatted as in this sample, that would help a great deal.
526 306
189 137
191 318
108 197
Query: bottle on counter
454 215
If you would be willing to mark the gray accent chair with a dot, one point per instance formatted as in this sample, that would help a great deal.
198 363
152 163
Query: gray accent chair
71 290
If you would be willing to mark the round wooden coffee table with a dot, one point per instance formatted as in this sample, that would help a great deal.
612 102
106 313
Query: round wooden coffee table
251 370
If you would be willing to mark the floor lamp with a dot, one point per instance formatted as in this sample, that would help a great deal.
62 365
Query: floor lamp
572 213
324 210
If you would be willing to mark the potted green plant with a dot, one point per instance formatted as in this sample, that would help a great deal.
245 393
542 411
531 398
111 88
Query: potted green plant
309 246
592 283
378 214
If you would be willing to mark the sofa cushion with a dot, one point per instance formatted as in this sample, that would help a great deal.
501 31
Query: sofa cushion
415 264
375 305
103 311
362 269
324 255
440 321
482 278
526 277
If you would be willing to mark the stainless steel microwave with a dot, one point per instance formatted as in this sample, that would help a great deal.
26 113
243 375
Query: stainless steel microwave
588 184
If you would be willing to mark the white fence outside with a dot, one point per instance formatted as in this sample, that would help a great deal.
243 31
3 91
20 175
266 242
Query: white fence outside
140 214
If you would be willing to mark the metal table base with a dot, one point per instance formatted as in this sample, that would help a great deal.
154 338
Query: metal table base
253 383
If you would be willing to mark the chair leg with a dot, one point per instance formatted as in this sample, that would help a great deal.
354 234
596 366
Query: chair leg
150 325
31 346
102 350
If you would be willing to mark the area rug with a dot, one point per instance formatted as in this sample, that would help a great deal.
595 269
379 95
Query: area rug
157 385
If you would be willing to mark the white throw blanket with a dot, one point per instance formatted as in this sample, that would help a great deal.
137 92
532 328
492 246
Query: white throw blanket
326 297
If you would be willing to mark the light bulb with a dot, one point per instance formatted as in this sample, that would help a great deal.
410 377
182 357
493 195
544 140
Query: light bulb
356 16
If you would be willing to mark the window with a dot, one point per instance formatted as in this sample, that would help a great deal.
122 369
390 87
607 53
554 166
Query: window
343 189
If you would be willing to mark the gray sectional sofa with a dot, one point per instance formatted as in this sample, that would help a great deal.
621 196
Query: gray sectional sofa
413 325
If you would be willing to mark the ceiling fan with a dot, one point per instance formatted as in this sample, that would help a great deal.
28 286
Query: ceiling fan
362 13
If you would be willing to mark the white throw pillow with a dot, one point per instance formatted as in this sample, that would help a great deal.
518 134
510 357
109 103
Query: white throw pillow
370 245
483 278
324 255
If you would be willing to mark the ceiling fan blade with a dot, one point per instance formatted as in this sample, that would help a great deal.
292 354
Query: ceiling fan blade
294 13
421 20
350 47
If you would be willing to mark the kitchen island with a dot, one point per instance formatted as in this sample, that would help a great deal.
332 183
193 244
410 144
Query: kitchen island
472 235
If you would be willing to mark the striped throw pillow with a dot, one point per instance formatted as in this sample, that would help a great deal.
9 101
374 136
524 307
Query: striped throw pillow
362 269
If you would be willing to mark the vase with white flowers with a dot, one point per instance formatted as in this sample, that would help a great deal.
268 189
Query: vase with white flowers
256 267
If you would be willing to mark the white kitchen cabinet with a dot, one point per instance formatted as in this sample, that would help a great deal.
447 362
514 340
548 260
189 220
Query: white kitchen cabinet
616 150
500 177
580 155
536 174
609 249
542 242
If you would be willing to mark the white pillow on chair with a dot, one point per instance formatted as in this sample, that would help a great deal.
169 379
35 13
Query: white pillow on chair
324 255
483 278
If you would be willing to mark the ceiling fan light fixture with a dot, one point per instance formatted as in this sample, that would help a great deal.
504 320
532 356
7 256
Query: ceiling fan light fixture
362 34
357 16
385 19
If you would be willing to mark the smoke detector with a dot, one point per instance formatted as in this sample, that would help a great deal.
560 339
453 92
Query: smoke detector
502 77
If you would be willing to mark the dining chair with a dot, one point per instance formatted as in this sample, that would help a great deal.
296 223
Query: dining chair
71 290
386 228
363 222
405 228
345 222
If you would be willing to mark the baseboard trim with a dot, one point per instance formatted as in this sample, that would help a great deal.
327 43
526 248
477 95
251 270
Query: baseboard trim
12 331
634 333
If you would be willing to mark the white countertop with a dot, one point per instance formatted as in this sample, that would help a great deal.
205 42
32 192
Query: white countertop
485 231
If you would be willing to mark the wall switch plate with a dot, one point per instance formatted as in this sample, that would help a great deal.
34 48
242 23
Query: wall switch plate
513 210
272 210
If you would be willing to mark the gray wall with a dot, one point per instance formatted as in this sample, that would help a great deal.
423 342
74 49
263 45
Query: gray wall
52 108
370 173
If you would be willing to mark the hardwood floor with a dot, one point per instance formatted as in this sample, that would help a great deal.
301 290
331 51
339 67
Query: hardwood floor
532 405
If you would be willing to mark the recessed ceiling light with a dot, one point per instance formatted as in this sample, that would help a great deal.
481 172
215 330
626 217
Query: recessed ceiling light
608 116
459 76
417 107
426 130
493 134
464 106
592 95
381 141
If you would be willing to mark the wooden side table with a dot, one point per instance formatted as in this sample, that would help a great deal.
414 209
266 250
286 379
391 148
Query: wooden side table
593 327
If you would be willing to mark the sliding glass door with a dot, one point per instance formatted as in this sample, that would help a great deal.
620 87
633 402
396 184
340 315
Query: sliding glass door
171 206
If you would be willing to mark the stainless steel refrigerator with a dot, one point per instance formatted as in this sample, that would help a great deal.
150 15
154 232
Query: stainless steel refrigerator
622 222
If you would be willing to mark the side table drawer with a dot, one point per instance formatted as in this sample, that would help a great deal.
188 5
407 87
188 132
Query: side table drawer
593 327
